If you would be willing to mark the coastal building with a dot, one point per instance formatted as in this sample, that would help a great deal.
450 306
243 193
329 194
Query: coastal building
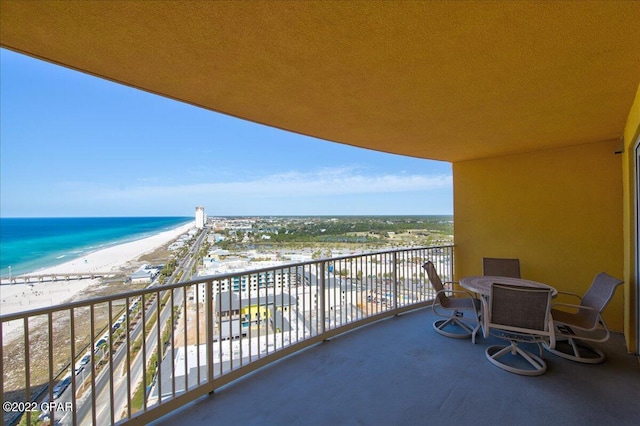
145 274
201 217
253 311
251 284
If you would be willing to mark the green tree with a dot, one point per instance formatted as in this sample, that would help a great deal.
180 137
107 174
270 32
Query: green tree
34 419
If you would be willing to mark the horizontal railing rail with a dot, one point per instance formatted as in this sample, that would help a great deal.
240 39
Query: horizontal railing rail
133 357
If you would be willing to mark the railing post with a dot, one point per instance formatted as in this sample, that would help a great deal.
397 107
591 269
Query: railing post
449 256
322 314
209 339
395 280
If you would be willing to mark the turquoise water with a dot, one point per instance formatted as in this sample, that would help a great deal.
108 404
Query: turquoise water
29 244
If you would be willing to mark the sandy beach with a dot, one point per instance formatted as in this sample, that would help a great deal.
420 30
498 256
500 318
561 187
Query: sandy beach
21 297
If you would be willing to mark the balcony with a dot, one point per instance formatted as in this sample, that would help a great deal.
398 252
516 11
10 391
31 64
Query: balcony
96 361
553 177
321 365
399 371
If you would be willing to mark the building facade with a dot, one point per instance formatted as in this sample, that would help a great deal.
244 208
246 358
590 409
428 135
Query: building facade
201 217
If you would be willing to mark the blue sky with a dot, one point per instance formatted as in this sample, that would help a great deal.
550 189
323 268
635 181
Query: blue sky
75 145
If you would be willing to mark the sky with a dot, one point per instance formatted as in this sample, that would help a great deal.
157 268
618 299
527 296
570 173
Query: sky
74 145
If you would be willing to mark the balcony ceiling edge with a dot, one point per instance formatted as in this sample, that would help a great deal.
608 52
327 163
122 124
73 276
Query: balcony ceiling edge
442 80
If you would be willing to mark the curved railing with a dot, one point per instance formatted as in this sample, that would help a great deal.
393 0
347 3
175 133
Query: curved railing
96 361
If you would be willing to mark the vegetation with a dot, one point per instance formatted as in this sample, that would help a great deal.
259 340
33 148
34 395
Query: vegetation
306 232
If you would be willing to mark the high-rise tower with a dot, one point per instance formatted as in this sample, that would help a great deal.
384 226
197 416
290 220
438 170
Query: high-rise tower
201 218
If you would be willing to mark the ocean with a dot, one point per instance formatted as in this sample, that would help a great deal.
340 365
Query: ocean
30 244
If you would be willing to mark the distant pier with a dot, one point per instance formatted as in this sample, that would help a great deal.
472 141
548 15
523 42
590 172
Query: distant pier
61 276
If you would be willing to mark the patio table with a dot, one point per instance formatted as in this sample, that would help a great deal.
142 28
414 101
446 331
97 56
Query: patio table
481 284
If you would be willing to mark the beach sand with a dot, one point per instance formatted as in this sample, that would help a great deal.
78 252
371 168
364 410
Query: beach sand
20 297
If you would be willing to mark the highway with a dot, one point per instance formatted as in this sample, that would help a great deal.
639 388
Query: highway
113 378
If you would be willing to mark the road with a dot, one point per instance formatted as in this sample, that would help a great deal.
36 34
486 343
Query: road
103 391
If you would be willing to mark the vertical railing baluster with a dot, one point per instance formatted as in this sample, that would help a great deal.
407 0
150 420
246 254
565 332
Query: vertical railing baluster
230 325
172 341
323 287
290 276
249 318
93 362
127 333
259 317
273 312
50 338
27 369
209 330
74 384
219 320
196 299
185 330
158 346
110 349
280 292
395 276
143 306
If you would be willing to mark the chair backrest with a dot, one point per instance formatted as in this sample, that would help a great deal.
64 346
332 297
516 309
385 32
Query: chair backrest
436 282
522 308
501 267
601 291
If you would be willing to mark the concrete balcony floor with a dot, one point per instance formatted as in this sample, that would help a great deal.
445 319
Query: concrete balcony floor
400 372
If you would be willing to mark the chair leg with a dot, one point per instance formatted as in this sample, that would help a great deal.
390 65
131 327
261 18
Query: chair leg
473 334
576 350
440 325
494 353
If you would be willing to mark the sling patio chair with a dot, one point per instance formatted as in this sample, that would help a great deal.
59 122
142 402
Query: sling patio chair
519 315
492 266
453 309
577 324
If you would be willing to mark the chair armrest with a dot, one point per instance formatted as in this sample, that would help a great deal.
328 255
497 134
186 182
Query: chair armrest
465 292
568 293
574 306
593 316
449 283
452 292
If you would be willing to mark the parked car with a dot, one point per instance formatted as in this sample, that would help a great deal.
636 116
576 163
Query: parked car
61 387
85 359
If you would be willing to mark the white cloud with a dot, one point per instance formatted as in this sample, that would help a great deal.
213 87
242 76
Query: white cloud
319 183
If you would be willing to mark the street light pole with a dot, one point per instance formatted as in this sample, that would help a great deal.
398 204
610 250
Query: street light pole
9 275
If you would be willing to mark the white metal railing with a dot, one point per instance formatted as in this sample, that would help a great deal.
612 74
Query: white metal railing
96 361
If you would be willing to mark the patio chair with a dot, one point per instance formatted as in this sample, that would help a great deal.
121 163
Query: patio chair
501 267
452 309
519 315
577 324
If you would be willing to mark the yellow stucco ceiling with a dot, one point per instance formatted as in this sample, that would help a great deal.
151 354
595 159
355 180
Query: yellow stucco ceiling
441 80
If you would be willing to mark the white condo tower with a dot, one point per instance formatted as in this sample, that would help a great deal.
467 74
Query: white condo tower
201 219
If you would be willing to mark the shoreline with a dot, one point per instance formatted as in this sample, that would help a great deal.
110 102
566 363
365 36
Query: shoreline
39 265
21 297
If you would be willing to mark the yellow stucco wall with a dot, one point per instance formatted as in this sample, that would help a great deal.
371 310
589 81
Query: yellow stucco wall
631 134
560 211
